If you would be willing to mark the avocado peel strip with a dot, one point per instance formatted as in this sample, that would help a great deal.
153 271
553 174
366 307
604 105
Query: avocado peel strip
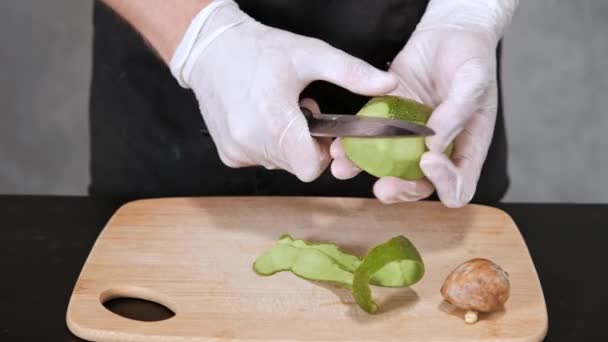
395 263
316 262
398 253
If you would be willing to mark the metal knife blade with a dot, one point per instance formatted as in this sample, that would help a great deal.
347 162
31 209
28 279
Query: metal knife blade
343 125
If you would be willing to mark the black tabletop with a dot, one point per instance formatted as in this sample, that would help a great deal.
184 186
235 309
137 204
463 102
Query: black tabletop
44 242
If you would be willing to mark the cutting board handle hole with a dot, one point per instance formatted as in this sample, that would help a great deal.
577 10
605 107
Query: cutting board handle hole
137 303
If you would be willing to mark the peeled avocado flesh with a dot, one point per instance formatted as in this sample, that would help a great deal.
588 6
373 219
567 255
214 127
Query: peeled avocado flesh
395 156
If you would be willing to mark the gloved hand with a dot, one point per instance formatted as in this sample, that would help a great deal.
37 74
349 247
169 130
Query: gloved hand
248 77
449 63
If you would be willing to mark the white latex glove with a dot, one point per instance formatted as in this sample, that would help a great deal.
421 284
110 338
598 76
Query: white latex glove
449 63
248 77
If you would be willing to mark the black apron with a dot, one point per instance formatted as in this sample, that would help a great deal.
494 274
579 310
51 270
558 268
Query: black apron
148 138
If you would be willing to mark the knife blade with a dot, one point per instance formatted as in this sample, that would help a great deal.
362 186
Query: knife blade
344 125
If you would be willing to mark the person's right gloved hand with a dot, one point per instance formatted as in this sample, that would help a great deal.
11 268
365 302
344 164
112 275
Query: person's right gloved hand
248 77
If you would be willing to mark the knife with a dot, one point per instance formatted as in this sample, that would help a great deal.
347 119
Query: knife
344 125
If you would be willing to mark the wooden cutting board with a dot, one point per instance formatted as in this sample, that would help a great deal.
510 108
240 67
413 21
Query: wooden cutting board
195 255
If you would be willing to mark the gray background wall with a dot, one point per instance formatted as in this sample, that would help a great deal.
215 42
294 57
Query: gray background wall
45 56
555 78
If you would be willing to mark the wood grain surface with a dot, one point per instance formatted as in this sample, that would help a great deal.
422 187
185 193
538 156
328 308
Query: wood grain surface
195 255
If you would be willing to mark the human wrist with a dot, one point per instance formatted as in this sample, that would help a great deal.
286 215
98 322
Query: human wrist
488 17
208 25
161 23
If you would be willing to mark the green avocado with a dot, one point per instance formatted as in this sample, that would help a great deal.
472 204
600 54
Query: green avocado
395 156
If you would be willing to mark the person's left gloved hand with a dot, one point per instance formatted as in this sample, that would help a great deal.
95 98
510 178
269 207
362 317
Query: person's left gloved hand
449 63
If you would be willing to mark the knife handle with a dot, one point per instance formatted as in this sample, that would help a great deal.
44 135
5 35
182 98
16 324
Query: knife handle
307 114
